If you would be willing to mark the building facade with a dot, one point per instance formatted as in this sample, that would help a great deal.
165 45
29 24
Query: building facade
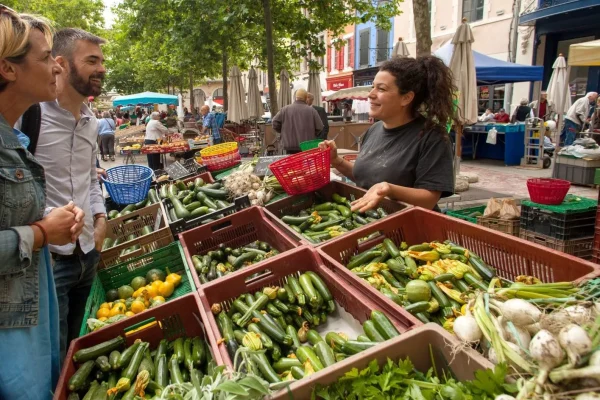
552 26
340 60
299 76
372 46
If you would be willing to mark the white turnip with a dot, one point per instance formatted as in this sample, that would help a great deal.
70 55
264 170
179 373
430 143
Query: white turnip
575 341
520 312
546 351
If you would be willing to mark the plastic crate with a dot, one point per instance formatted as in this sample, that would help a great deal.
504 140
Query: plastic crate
310 144
121 228
511 256
185 314
465 213
574 173
561 226
181 225
294 204
508 226
581 248
112 278
234 231
448 355
206 177
274 271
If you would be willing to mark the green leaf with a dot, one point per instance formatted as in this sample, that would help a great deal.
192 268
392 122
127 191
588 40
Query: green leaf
253 383
232 387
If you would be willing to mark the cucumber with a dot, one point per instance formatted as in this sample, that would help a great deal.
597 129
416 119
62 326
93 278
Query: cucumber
306 353
214 193
354 347
285 364
372 332
180 210
314 337
265 368
103 364
325 353
91 353
384 325
78 380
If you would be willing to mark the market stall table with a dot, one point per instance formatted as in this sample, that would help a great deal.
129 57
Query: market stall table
509 145
181 147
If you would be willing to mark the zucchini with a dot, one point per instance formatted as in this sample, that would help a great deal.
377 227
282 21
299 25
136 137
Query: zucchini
178 349
214 193
103 364
314 337
193 205
324 207
187 354
285 364
325 353
273 311
437 294
174 371
179 208
91 391
107 243
334 340
79 378
147 365
422 317
363 338
314 298
113 378
264 338
354 346
133 366
199 182
112 214
163 191
100 393
392 296
291 298
162 371
152 196
198 351
297 290
486 272
474 282
91 353
444 277
387 275
280 304
227 330
418 307
276 352
321 226
391 248
306 353
372 332
345 211
113 359
297 372
323 290
382 213
364 258
130 208
162 348
265 368
221 204
244 258
462 285
293 333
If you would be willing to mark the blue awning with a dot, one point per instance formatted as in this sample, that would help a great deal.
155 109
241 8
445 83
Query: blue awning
554 8
491 71
146 98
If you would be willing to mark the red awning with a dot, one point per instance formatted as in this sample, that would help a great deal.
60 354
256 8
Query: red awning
218 101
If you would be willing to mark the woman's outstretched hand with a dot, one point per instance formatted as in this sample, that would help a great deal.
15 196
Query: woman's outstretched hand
372 198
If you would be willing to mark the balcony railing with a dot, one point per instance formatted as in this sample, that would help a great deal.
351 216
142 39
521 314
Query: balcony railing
550 3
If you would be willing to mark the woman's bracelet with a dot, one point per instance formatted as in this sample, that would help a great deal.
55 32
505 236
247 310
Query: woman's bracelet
44 234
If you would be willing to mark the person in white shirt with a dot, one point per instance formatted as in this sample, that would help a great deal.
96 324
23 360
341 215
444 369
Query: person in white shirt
488 116
577 115
155 131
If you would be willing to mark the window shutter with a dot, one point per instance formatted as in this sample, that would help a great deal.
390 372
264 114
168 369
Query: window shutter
341 59
329 59
364 48
351 52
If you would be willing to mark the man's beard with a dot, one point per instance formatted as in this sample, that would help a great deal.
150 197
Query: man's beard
83 87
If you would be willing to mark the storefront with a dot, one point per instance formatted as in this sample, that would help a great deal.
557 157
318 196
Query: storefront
365 77
341 81
490 96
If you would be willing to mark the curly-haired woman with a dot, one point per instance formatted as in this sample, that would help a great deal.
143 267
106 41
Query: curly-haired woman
407 154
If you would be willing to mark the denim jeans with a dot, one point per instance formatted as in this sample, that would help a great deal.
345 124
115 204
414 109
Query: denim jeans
569 132
73 277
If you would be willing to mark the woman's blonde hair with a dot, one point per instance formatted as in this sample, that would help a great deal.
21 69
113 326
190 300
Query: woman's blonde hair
14 35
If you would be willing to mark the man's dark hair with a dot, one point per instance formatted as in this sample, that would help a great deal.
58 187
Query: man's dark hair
65 40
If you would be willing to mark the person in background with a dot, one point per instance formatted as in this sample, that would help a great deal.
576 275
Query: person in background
297 123
29 322
543 110
595 122
347 112
487 116
119 118
67 147
209 124
155 131
576 116
323 134
502 117
336 110
522 112
106 131
139 114
126 118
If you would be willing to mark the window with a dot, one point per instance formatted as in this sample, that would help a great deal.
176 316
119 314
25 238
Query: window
218 92
473 10
347 54
382 45
364 48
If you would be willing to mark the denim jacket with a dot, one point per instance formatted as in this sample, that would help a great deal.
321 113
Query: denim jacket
22 201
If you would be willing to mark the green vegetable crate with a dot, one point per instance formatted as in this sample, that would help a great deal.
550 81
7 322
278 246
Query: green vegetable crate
509 255
275 272
183 316
467 214
170 257
137 233
294 204
415 344
236 230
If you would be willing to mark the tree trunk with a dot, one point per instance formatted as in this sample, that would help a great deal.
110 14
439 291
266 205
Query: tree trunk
192 92
422 27
270 62
225 72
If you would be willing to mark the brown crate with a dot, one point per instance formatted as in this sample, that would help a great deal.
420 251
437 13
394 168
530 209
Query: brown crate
510 227
236 230
581 248
132 224
414 344
294 204
274 271
191 315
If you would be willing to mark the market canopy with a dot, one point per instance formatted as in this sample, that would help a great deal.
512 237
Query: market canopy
491 71
585 54
145 98
354 93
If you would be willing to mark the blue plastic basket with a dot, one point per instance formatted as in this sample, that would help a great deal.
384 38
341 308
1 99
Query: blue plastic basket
128 184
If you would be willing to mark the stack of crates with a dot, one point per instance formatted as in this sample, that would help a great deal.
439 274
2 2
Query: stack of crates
596 253
568 227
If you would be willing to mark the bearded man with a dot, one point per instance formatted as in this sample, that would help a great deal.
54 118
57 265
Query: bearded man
67 147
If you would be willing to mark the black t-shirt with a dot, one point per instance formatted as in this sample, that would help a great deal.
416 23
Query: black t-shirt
405 156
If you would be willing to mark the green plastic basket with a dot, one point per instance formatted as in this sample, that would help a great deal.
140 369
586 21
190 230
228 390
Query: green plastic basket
310 144
570 204
170 256
465 212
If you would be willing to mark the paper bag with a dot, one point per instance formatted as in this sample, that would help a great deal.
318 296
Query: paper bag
491 136
492 210
509 210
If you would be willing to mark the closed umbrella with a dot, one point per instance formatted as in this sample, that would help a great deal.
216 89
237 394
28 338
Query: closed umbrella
284 97
238 110
314 86
462 65
255 108
558 93
400 49
199 97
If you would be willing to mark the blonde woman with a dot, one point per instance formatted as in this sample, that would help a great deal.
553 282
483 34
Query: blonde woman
29 327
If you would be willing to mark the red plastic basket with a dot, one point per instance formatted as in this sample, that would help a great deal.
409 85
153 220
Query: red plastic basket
547 191
181 317
303 172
